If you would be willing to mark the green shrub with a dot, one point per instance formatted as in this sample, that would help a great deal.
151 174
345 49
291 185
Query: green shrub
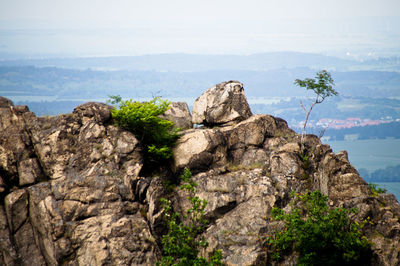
182 242
319 234
375 189
156 134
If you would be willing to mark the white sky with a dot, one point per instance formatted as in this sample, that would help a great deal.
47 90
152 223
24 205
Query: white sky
131 12
196 26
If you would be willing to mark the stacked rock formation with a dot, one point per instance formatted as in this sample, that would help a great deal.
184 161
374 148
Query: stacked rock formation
72 192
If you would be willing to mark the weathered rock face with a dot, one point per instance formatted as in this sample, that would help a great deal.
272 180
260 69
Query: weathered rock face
179 114
241 195
241 144
71 191
221 104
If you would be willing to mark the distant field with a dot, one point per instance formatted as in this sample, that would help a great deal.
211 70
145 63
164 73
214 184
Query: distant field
370 154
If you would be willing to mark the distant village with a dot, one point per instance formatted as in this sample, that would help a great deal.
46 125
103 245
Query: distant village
347 123
352 128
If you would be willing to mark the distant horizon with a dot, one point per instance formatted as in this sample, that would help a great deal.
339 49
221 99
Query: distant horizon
354 29
12 56
356 38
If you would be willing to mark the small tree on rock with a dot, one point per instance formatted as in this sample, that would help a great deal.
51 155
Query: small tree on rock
322 86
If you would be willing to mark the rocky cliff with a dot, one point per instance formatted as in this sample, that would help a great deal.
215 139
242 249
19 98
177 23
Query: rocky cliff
72 192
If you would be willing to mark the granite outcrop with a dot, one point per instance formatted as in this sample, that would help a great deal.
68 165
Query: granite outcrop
72 191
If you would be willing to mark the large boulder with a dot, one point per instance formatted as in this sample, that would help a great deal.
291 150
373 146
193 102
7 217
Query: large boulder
221 104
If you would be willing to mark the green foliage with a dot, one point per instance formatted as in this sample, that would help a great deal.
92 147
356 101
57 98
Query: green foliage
114 99
375 189
156 134
321 85
182 242
319 234
305 159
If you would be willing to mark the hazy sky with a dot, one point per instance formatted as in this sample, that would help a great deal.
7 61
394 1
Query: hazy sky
130 11
194 26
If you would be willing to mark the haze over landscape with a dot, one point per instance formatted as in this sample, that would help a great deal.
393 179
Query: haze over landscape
354 28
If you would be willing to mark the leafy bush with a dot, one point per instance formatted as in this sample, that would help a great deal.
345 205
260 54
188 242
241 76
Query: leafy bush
319 234
181 244
375 189
156 134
